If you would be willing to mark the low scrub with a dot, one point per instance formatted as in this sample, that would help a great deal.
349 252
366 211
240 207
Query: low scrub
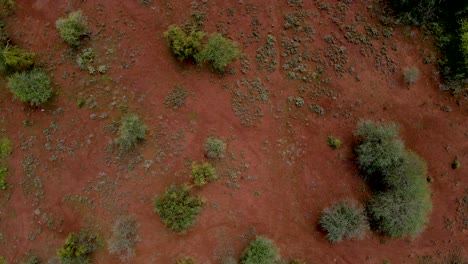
411 75
124 238
77 248
261 251
177 208
345 220
184 45
333 142
214 148
73 28
203 173
131 131
16 59
219 51
33 87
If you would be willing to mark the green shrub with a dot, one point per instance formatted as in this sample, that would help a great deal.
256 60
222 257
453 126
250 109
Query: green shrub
33 87
214 148
72 28
77 248
177 208
3 176
455 163
6 148
186 261
203 173
131 131
411 75
344 220
219 51
16 59
124 238
86 58
333 142
184 45
260 251
2 260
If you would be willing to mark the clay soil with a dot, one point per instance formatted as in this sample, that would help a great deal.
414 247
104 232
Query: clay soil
278 174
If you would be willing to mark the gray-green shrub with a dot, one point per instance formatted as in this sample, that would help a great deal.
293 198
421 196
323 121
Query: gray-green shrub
124 238
131 131
219 51
261 251
177 208
184 45
214 148
33 87
411 74
73 28
344 220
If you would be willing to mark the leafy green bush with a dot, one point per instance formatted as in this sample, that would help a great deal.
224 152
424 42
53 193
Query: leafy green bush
184 45
77 248
219 51
177 208
411 75
131 131
72 28
124 238
203 173
333 142
344 220
214 148
33 87
16 59
261 251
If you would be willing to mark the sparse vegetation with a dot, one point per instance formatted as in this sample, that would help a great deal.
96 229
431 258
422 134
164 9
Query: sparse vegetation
333 142
184 45
124 238
177 208
214 148
77 248
73 28
411 75
176 97
261 251
203 173
131 131
219 51
33 87
344 220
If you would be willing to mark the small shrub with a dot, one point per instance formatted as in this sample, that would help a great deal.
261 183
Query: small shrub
124 238
344 220
219 51
72 28
16 59
203 173
411 75
186 261
333 142
33 87
177 208
131 131
456 164
6 148
176 97
184 45
77 248
214 148
2 260
260 251
3 176
86 58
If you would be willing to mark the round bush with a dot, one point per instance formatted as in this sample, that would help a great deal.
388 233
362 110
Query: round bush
214 148
203 173
344 220
131 131
219 51
261 251
72 28
183 45
33 87
16 59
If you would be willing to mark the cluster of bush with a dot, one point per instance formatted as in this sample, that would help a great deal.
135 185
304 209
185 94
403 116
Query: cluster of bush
192 44
448 21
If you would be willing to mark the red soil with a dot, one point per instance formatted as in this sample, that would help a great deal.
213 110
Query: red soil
292 174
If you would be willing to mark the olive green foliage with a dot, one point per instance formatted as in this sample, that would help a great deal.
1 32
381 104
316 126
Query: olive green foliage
261 251
402 199
219 51
344 220
184 45
131 131
6 148
77 248
333 142
124 238
411 75
214 148
203 173
16 59
2 260
177 208
186 261
72 28
3 176
7 7
33 87
4 38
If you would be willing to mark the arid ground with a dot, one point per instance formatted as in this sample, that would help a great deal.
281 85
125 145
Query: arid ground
306 73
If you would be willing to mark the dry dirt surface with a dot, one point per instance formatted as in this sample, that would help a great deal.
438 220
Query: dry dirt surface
333 64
